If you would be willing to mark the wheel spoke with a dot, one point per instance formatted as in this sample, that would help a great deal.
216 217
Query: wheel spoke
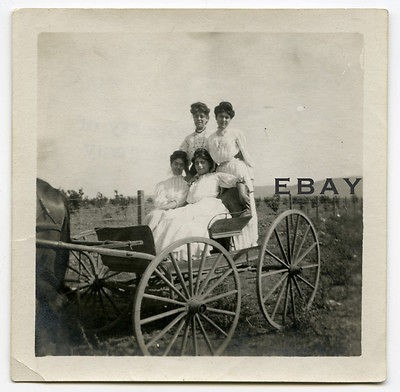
110 274
278 301
75 281
306 282
309 249
166 329
304 266
161 316
217 282
77 288
295 236
79 273
281 247
213 324
173 340
185 337
286 302
210 272
298 288
204 333
288 240
87 291
180 276
89 257
292 299
302 243
280 281
163 299
200 270
169 284
116 287
275 272
276 258
194 336
219 296
81 263
222 311
190 272
117 311
102 305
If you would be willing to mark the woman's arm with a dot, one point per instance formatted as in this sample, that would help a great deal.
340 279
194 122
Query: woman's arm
242 144
243 193
169 205
160 197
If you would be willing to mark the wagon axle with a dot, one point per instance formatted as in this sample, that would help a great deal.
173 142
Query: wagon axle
295 270
195 305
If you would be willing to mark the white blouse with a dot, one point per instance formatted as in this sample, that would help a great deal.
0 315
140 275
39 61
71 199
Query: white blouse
208 186
172 189
223 146
192 142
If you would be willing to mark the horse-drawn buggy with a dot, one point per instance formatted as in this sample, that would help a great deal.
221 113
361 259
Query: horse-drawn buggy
186 299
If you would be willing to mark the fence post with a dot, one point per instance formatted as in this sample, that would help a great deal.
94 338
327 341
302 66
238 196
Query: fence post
140 200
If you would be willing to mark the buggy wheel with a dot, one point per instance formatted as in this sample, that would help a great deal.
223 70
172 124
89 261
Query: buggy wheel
201 316
288 269
98 297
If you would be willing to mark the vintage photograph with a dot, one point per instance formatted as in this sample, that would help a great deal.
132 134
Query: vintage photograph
250 142
200 193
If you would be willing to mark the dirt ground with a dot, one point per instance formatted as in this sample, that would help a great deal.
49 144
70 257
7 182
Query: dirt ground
332 327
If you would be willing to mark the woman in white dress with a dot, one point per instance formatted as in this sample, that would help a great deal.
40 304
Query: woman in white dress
203 205
171 193
225 147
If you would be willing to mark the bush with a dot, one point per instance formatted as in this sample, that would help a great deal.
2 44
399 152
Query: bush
75 200
273 202
121 200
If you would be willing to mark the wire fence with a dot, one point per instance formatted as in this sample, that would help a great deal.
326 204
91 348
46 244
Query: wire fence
123 211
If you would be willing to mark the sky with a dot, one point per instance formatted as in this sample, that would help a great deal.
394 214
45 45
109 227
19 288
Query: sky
113 107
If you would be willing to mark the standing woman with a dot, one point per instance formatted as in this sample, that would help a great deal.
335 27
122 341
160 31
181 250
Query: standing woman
225 147
198 138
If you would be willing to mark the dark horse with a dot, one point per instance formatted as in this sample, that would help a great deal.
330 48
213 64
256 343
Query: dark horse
52 223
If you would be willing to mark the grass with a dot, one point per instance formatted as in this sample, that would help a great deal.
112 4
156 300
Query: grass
332 327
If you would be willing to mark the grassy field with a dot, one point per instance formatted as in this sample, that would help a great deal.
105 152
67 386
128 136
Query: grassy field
331 328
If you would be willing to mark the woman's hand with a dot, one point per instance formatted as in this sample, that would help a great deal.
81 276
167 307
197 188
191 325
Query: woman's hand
191 179
169 206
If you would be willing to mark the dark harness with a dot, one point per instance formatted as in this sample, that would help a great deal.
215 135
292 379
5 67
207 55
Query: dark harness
46 226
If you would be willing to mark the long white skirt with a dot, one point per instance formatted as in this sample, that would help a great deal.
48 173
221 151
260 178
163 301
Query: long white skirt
189 221
249 235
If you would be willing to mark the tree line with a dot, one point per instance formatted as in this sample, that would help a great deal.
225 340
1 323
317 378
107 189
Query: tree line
78 199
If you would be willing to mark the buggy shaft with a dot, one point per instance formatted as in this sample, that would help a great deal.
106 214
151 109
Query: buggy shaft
100 250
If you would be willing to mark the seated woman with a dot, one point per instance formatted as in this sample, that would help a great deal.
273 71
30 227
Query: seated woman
203 205
227 147
171 193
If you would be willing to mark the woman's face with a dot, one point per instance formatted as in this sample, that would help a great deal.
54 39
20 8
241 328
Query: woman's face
200 120
177 166
202 166
223 119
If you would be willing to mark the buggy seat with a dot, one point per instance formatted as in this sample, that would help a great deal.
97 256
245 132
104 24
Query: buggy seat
229 225
131 238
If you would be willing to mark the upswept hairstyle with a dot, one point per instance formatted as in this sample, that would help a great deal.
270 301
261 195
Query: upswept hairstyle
179 154
224 107
199 107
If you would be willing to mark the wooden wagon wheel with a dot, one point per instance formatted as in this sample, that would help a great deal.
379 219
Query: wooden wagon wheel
288 269
98 297
201 317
